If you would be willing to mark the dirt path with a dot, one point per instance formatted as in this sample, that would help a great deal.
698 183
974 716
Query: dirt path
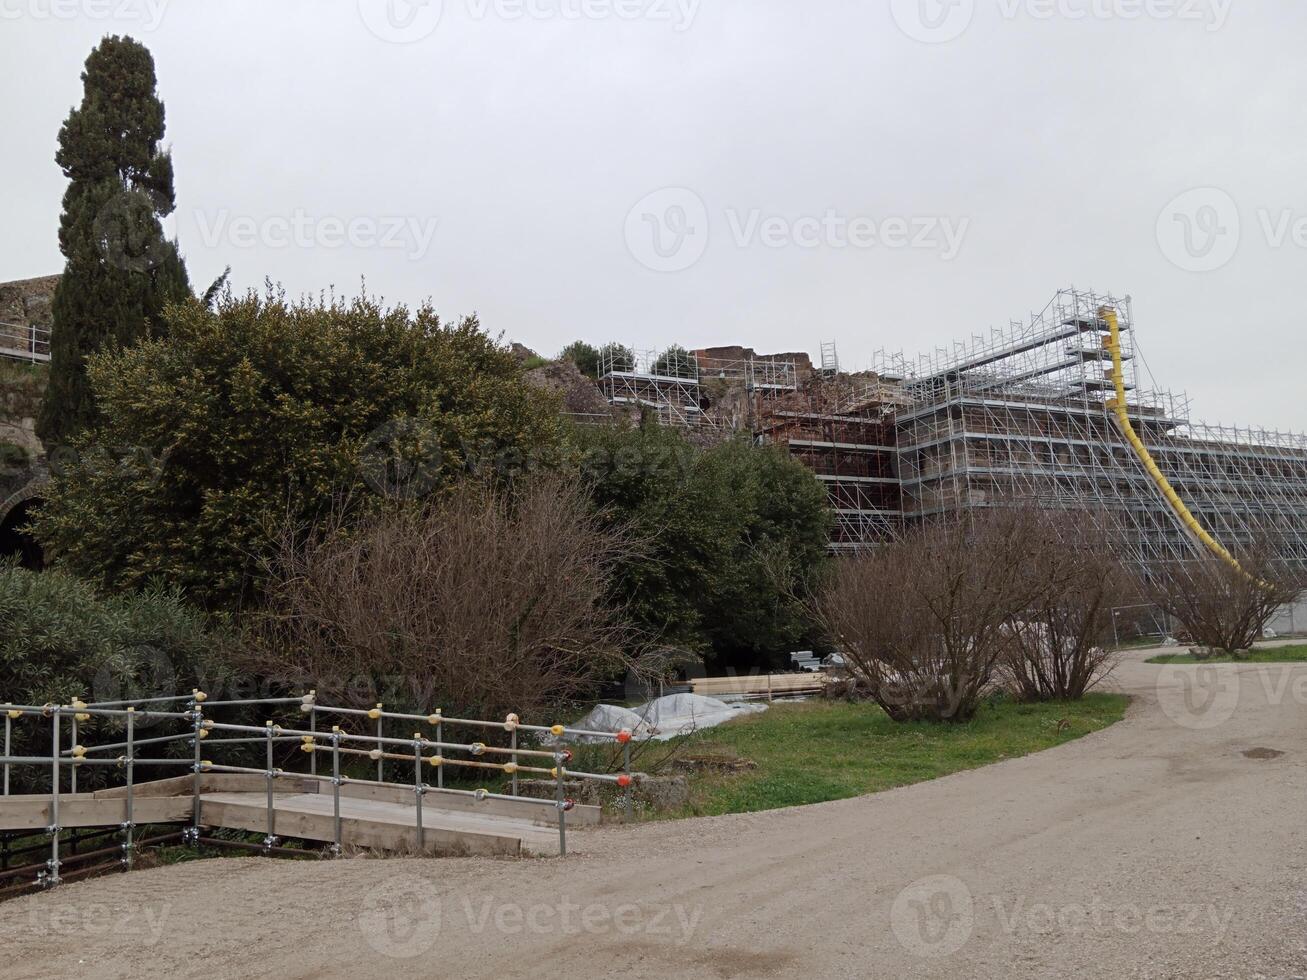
1154 849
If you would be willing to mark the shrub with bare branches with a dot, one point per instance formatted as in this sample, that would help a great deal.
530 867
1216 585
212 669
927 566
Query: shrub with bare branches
923 620
1059 642
1225 609
481 602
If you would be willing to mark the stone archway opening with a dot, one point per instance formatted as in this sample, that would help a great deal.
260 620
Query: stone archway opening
15 539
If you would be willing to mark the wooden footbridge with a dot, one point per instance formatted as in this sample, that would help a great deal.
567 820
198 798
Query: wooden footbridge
338 811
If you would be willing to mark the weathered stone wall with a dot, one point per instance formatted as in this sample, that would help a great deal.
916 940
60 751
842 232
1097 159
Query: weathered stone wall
25 303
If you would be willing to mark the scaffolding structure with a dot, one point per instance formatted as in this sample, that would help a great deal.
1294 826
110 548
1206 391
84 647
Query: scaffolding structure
678 387
844 432
1024 416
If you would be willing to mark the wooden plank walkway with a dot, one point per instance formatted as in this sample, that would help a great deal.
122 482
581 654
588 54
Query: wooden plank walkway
373 815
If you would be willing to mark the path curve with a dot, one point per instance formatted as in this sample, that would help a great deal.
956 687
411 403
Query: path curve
1153 849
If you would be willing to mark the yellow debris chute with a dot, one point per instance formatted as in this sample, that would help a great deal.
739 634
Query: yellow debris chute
1112 343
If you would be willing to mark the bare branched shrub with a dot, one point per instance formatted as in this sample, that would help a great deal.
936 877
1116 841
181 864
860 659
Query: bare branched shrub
1059 647
1225 609
480 602
923 620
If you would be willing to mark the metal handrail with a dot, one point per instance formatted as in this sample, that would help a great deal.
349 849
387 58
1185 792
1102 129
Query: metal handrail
24 341
380 747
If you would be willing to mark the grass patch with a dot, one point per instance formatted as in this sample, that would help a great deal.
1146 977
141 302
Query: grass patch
1267 655
813 751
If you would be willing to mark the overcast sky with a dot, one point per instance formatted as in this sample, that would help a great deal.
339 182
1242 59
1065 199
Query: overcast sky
881 173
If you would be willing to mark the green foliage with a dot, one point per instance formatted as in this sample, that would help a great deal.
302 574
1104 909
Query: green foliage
819 750
1262 655
22 386
12 457
584 356
616 357
734 532
676 362
535 361
60 640
119 270
261 412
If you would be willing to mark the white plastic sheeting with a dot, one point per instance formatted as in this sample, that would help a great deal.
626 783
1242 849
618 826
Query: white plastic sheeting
665 717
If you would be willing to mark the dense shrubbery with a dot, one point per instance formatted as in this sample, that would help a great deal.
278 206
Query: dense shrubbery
932 622
1059 645
483 602
584 356
59 639
1223 607
734 532
923 620
262 410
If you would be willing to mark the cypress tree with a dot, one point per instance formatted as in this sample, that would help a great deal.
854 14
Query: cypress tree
119 270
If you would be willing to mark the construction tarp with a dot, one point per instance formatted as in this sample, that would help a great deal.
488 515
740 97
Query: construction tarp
665 717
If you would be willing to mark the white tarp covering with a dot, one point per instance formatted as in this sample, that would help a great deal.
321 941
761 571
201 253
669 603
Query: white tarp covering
665 717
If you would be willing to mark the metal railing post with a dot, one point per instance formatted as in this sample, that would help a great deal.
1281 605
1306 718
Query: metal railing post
129 824
52 874
560 804
335 788
440 770
271 838
313 727
514 758
626 792
197 721
72 769
381 747
9 726
418 789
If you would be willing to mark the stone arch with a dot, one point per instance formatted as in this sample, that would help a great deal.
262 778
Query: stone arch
14 512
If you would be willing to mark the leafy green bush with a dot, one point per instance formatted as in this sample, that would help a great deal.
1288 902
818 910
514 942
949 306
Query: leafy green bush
60 640
616 357
584 356
735 532
676 362
262 410
12 457
22 386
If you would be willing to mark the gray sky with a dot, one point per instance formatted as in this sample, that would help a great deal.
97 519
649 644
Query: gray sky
882 173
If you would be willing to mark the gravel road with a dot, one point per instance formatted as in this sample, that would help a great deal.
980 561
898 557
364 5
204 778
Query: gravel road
1170 845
